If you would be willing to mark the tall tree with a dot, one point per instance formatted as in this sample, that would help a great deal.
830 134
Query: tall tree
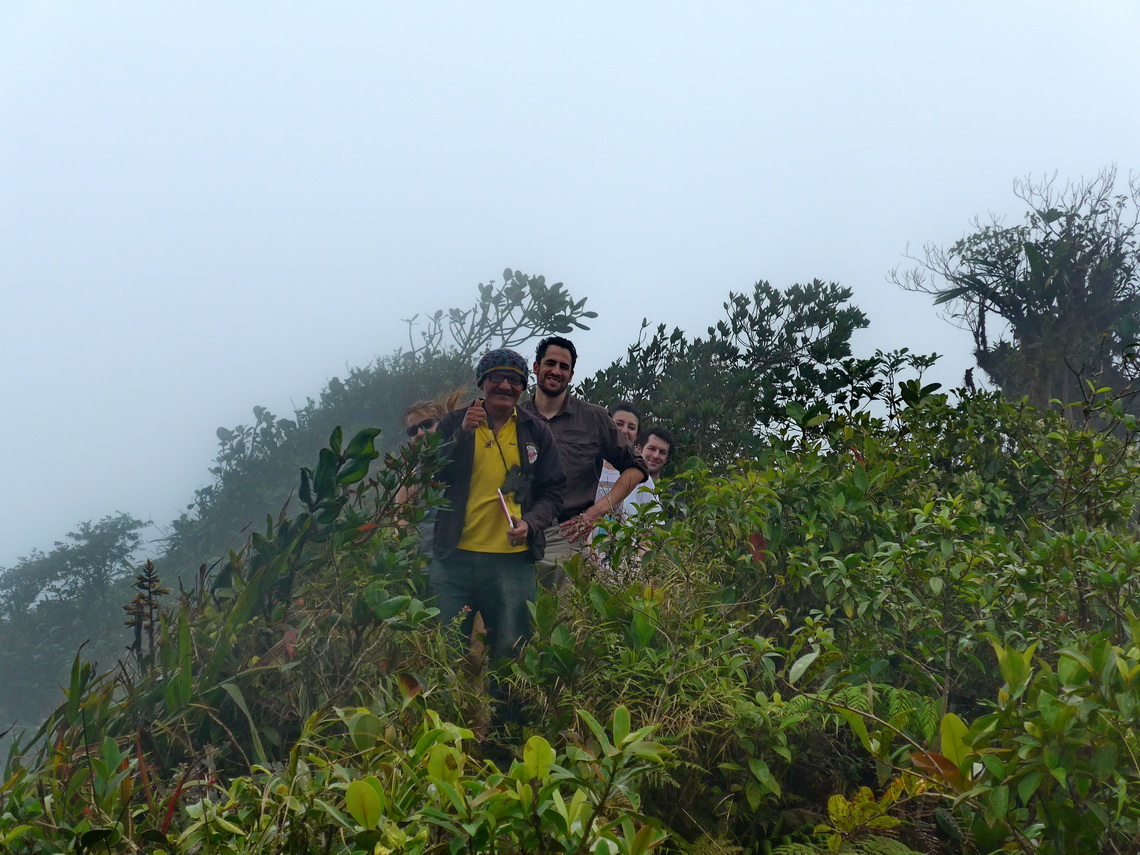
1053 302
51 603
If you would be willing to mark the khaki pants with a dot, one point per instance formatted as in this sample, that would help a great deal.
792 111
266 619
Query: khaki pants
559 550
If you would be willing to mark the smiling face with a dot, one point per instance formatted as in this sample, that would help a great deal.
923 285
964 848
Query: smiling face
501 391
627 424
554 371
655 451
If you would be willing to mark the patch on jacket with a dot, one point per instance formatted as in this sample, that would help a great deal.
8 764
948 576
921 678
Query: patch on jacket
531 452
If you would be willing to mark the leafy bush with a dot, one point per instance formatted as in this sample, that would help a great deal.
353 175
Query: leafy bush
827 643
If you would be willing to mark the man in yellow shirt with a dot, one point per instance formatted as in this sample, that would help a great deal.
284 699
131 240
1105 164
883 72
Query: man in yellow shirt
503 486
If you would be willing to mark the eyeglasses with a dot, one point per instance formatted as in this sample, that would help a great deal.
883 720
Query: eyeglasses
425 425
515 380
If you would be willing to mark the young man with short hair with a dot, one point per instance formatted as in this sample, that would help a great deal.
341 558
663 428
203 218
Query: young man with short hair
586 436
655 446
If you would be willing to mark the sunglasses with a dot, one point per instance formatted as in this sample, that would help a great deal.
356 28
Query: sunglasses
514 379
425 425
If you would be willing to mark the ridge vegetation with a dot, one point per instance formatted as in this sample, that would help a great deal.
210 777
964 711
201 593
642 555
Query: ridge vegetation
869 616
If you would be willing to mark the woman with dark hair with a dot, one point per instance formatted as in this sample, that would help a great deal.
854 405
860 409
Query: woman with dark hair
627 419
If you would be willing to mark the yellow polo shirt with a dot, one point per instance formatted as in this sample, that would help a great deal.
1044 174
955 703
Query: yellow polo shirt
484 525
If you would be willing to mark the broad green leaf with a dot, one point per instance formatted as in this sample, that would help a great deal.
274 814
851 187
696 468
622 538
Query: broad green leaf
1027 786
643 841
764 775
365 730
753 794
538 757
364 804
802 664
953 731
999 801
859 726
353 471
443 763
16 833
362 443
598 731
838 810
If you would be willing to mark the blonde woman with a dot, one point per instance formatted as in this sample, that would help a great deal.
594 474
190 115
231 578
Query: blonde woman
421 418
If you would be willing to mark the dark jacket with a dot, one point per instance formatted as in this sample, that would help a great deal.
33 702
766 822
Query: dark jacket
539 505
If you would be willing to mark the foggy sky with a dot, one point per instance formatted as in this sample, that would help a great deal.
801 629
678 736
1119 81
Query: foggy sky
209 206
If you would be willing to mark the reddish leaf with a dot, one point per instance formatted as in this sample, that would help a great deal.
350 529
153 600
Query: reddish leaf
758 546
938 766
410 685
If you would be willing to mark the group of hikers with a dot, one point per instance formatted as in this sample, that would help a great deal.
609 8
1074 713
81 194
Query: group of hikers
526 483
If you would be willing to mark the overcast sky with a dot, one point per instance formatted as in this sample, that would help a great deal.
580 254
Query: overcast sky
207 206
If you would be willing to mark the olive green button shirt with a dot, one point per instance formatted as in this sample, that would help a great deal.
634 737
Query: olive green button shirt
586 435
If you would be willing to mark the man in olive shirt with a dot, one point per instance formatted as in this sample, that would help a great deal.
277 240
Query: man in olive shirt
586 435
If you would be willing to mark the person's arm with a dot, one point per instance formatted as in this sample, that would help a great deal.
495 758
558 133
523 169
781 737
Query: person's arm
625 484
623 457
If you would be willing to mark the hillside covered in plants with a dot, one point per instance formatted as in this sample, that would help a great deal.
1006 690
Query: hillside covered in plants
869 616
901 633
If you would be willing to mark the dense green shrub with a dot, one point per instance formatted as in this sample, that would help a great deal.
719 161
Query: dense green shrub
826 642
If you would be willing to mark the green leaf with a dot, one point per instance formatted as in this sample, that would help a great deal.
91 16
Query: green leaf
754 795
234 692
859 726
105 836
324 479
643 841
364 804
1027 786
365 730
443 763
802 664
999 801
598 731
15 834
838 810
538 757
953 731
764 775
353 471
391 607
362 444
620 724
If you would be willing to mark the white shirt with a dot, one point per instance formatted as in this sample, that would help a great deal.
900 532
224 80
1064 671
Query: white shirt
643 495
